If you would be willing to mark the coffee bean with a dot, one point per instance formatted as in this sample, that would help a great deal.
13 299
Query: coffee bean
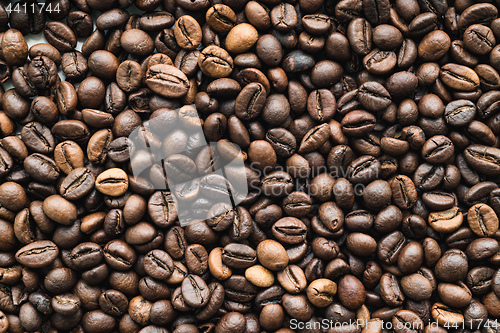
478 13
221 18
297 61
38 137
113 182
359 33
479 39
292 279
276 109
405 320
42 72
119 255
66 97
187 32
77 184
73 130
15 47
250 101
482 158
215 62
345 123
241 38
137 42
482 220
238 255
358 123
351 292
37 254
361 244
445 315
374 96
60 36
314 138
161 208
167 81
231 322
195 291
41 168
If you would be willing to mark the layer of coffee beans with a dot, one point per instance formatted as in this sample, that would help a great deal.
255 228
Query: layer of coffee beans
368 132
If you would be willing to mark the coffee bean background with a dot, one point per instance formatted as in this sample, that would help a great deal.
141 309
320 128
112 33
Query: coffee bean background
369 132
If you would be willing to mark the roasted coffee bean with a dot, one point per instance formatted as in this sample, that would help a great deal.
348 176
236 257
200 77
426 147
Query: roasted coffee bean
297 61
60 36
215 62
357 173
292 279
37 254
60 210
77 184
119 255
41 168
314 138
195 291
437 149
238 255
73 130
38 138
15 47
167 81
403 192
289 230
374 96
187 32
358 123
459 77
482 220
483 159
359 33
460 112
113 182
250 101
277 184
42 72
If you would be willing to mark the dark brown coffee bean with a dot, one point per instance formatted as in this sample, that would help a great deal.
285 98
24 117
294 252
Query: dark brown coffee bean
297 61
284 17
374 96
359 33
282 141
459 77
37 254
38 137
250 101
215 62
137 42
321 105
479 39
239 255
482 158
167 81
314 138
119 255
77 184
195 291
351 292
482 220
15 47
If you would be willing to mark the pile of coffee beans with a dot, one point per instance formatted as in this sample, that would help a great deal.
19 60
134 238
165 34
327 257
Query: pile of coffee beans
367 137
